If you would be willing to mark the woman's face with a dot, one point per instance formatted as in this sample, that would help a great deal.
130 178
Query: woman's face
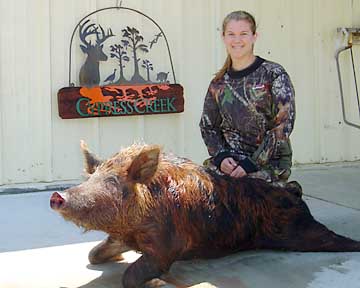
239 39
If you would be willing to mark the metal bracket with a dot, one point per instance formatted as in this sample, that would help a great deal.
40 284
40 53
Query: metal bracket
353 38
353 35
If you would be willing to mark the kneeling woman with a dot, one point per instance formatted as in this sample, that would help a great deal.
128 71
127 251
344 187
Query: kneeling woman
249 109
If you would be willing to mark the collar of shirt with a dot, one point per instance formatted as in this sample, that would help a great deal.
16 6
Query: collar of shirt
242 73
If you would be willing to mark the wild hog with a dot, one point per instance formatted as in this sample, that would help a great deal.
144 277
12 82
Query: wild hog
162 76
169 208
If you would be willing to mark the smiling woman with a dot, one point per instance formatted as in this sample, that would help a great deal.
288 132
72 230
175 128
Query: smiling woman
249 109
239 38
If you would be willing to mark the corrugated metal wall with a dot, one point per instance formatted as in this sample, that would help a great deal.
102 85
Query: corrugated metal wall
37 145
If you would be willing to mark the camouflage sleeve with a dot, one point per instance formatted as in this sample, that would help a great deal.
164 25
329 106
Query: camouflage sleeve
284 111
210 124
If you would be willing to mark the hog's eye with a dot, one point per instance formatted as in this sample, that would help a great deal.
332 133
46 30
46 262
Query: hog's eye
125 192
111 183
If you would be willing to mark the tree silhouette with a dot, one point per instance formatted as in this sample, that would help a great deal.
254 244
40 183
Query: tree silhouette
135 44
148 66
118 52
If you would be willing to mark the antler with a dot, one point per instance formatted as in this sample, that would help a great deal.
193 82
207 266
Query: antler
103 37
85 32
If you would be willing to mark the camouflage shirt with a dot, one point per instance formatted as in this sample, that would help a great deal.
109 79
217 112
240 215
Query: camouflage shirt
249 115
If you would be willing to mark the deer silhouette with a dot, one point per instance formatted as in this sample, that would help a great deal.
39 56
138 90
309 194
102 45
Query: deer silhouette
89 73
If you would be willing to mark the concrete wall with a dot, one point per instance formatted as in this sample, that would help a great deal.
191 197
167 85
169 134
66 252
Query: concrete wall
37 145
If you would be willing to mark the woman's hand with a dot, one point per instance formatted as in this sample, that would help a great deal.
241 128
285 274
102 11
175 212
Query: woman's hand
238 172
231 168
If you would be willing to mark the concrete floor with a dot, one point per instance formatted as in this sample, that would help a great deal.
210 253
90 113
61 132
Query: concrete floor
39 249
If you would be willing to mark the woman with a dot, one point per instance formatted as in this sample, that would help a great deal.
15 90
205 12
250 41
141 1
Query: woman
249 109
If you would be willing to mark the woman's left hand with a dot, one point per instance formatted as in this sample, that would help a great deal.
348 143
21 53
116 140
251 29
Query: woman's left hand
238 172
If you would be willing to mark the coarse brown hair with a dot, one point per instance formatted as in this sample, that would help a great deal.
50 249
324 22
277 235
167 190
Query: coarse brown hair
237 16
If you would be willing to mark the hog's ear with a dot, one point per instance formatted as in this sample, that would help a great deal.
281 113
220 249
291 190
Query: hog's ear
91 160
144 166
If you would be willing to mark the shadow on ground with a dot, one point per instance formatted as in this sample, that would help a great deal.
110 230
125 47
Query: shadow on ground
252 269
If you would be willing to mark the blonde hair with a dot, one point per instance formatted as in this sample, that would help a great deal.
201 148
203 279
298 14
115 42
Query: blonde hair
237 16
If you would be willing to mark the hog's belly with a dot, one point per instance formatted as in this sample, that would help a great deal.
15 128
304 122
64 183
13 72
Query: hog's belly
215 251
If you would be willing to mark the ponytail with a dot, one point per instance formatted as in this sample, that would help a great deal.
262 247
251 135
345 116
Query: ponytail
224 69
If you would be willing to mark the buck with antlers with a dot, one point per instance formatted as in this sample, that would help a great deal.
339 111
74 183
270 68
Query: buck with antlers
89 72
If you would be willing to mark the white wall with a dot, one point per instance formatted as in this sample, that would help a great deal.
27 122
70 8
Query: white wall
37 145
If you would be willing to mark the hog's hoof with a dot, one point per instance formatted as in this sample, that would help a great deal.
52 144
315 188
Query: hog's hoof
155 283
94 260
100 260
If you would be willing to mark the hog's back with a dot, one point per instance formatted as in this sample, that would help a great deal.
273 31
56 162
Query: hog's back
243 214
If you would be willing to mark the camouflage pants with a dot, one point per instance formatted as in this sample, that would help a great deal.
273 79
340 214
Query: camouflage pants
278 170
275 176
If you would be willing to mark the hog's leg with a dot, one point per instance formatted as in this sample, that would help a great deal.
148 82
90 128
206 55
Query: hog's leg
144 269
106 251
316 237
319 238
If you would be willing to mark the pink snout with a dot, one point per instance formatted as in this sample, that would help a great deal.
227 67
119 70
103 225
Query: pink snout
56 200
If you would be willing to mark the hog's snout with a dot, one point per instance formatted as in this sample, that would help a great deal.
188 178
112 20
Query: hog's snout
56 200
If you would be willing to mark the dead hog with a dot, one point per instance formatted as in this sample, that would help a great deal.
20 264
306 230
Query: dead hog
169 208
